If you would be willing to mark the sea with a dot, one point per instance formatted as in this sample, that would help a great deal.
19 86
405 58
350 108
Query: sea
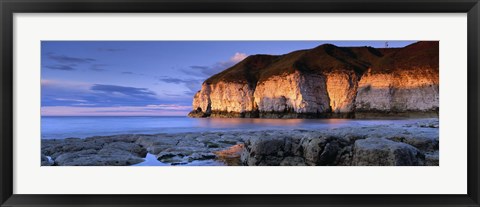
59 127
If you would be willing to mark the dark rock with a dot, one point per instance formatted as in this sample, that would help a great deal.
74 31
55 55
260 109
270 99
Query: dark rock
198 114
201 156
293 161
263 151
432 159
104 157
45 161
129 147
381 152
170 157
312 149
421 143
329 154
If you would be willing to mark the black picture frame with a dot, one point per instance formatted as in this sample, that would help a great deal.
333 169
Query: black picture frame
10 7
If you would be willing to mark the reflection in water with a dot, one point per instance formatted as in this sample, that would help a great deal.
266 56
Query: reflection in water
256 122
151 160
232 122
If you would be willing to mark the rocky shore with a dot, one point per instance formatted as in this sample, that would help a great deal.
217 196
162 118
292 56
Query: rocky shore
412 144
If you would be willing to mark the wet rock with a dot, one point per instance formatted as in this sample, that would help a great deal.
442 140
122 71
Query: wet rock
382 152
114 138
158 140
432 159
90 157
267 150
198 113
421 143
129 147
283 149
293 161
429 124
94 151
201 156
312 149
45 161
344 156
171 156
329 154
157 149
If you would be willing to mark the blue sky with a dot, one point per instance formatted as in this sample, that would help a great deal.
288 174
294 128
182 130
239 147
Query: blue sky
145 78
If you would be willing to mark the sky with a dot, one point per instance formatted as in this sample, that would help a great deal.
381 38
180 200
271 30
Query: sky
145 78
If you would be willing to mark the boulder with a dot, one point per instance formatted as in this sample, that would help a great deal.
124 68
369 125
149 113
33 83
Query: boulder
432 159
44 161
263 151
104 157
384 152
129 147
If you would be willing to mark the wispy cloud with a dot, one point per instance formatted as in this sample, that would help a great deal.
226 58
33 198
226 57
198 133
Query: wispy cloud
69 63
67 67
84 104
129 91
197 67
175 107
131 73
105 49
69 99
217 67
173 80
192 84
98 67
69 59
72 86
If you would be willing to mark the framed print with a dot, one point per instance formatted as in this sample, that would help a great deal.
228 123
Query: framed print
263 103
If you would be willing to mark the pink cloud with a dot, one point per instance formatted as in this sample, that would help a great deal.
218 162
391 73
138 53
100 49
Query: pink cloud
150 110
66 85
238 57
168 107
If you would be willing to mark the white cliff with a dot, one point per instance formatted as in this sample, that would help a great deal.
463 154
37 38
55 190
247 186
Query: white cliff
292 93
403 90
300 83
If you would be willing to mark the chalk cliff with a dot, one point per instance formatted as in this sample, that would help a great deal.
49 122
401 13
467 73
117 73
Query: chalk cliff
326 81
406 80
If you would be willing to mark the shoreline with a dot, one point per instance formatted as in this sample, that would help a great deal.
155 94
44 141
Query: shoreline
325 115
414 143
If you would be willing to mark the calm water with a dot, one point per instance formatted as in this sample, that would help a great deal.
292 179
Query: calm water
63 127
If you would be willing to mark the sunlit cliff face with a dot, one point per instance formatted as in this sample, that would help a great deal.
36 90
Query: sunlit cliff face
201 100
403 90
292 93
337 92
228 97
342 88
